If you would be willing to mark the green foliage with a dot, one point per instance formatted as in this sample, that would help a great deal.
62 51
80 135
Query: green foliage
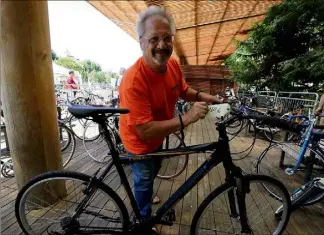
89 70
284 51
70 63
88 67
101 76
54 56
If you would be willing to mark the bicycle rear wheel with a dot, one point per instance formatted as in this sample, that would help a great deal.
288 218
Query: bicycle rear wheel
67 142
96 145
47 203
214 214
174 166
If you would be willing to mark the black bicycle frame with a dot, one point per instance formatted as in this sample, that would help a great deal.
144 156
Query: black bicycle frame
221 154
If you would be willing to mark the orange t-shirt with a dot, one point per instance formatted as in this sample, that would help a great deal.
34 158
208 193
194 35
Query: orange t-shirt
149 96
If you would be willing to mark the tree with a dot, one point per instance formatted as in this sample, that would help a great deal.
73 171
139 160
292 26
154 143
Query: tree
99 77
70 63
54 56
88 67
285 50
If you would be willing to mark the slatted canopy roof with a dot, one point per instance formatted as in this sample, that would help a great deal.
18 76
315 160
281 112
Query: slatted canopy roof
205 29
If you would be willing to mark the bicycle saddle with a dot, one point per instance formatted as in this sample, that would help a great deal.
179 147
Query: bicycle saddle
83 111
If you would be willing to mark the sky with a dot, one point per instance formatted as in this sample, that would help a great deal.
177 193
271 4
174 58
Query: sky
86 33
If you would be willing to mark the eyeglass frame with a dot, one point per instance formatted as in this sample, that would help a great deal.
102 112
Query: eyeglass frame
159 39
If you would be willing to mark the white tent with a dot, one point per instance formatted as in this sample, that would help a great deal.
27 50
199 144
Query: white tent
62 74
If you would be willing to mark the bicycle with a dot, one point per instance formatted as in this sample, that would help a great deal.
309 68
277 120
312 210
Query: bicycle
307 195
95 133
36 210
84 98
67 143
296 163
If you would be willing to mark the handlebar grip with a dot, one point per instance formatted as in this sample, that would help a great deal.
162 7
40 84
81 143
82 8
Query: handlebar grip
275 122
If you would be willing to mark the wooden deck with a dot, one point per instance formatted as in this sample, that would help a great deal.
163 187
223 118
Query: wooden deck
308 220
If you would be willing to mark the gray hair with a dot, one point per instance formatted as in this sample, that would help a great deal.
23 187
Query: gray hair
153 11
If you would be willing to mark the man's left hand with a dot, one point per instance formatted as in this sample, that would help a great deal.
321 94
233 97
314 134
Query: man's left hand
217 100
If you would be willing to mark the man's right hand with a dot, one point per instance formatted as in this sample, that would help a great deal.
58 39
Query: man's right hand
198 110
318 112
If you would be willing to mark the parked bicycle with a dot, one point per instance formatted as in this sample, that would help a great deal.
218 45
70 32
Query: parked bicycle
67 143
94 135
295 163
75 203
310 193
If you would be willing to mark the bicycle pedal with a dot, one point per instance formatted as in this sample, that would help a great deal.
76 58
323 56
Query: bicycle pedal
169 218
235 216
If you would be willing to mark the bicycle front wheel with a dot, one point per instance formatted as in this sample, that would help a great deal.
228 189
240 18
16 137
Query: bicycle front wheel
98 142
48 202
214 215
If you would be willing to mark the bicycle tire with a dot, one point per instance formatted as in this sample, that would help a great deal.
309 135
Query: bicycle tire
60 175
7 169
226 186
82 122
71 142
181 144
93 138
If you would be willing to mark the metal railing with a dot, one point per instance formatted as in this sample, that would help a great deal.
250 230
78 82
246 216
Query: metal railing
289 101
284 102
266 99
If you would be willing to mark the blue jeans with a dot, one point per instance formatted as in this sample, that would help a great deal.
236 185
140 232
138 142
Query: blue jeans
144 173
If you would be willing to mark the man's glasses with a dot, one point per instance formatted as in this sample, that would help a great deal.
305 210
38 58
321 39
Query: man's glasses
167 39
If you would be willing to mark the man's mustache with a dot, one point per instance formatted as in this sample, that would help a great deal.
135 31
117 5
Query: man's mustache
164 51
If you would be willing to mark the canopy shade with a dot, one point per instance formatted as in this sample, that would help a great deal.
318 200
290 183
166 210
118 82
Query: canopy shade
205 29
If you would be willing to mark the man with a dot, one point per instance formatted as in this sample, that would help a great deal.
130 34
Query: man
72 82
115 99
150 89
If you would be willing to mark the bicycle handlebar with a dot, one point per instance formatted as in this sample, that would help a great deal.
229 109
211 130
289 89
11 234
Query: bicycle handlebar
269 121
276 122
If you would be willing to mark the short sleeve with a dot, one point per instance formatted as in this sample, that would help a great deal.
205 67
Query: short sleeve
183 84
137 102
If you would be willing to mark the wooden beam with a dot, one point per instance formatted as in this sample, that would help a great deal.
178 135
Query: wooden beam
27 86
218 30
111 15
239 29
220 21
196 32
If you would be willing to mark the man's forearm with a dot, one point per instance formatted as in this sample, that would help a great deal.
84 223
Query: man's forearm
191 95
159 129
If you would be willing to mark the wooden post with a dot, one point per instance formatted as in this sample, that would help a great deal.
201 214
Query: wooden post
27 86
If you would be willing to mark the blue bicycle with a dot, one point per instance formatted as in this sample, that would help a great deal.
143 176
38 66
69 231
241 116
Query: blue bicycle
295 163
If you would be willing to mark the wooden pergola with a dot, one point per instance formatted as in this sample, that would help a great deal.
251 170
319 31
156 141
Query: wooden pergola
205 29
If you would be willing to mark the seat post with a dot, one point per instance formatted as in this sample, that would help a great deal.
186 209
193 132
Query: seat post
102 123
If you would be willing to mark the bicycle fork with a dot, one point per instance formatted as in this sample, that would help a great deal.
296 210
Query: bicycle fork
242 188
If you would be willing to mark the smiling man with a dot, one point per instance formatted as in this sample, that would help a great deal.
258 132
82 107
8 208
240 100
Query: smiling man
150 89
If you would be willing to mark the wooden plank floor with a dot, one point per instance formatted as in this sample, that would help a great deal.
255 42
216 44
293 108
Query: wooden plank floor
308 220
